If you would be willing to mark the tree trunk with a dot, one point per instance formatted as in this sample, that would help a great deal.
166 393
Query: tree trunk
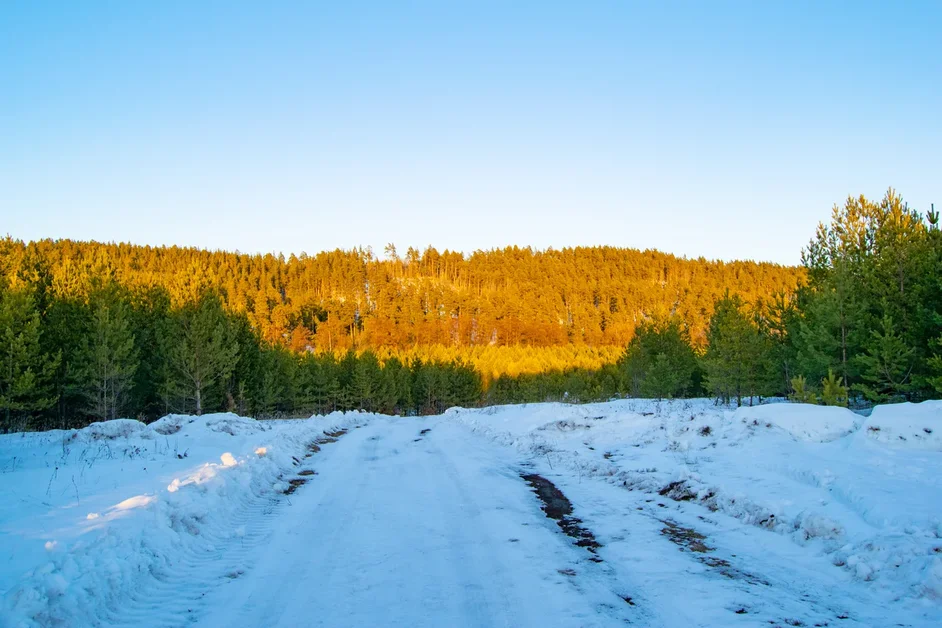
844 346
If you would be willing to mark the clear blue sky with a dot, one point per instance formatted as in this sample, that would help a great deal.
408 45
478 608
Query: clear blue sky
722 129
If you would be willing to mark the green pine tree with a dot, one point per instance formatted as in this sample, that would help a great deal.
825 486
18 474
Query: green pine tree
107 358
737 358
800 392
935 365
886 365
367 382
463 385
25 370
276 381
833 391
397 388
659 361
203 351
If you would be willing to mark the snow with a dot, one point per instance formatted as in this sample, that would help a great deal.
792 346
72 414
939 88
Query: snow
806 474
414 530
806 422
779 514
89 513
907 425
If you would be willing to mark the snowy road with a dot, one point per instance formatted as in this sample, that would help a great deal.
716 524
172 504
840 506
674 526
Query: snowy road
777 516
399 528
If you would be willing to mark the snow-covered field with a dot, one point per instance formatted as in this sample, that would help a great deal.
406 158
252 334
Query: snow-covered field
781 514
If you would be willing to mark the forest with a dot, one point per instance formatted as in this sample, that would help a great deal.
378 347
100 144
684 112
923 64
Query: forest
96 331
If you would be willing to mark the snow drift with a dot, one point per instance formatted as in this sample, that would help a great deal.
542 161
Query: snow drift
95 514
906 425
824 477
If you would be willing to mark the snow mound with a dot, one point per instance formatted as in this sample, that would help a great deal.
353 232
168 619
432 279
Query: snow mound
117 515
232 424
221 422
914 425
806 422
171 424
110 430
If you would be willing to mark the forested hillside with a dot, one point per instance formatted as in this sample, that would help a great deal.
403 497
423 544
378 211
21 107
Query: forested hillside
339 300
103 330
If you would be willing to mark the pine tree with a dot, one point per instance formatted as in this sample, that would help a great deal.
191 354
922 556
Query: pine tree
935 365
367 382
463 383
397 387
277 377
833 391
780 324
203 352
25 370
659 361
153 328
347 398
429 386
107 358
800 392
886 365
736 362
820 337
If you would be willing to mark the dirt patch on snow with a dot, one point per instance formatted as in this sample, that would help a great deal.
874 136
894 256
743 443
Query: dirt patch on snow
294 484
685 538
557 506
688 539
678 491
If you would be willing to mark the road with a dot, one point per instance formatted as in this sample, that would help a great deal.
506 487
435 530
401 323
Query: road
424 522
401 528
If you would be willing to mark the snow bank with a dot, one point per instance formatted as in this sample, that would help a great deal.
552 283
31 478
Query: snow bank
110 430
91 514
912 425
805 472
803 421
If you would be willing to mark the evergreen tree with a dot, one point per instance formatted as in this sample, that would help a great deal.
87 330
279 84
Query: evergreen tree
243 385
153 329
463 385
886 365
659 361
367 382
833 391
107 358
874 262
347 398
800 392
935 365
25 370
397 387
780 323
203 351
736 362
428 387
823 338
277 377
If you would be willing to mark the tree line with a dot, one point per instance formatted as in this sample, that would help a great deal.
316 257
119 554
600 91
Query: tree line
119 352
92 331
341 300
866 325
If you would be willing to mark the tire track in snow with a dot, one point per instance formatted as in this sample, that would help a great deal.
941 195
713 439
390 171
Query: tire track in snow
429 532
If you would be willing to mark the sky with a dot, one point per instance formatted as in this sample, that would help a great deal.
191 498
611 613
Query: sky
726 130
